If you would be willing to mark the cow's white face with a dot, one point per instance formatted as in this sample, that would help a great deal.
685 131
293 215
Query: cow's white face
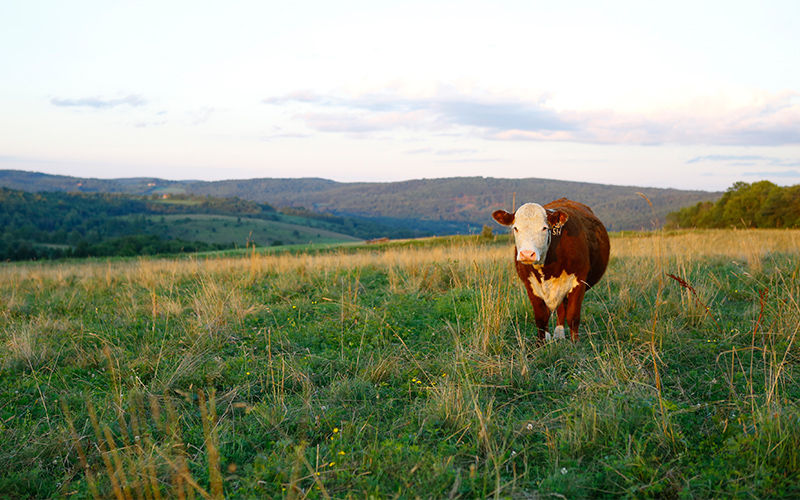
531 234
532 225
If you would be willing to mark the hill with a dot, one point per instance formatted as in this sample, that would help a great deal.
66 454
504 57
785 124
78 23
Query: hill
440 206
58 224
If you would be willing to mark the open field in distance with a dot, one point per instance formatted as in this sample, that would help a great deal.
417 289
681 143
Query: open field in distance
404 371
224 229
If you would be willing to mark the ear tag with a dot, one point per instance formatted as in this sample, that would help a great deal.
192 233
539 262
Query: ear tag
556 229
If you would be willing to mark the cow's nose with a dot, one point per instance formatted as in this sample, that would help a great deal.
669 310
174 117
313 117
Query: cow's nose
527 256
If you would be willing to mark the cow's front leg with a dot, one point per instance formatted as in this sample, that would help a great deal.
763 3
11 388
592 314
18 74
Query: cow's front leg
542 314
573 313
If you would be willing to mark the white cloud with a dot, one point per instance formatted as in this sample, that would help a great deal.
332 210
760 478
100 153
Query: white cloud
763 120
358 122
699 159
145 124
745 160
132 100
286 135
202 115
443 152
788 174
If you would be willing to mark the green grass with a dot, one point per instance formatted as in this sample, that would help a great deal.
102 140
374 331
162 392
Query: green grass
242 231
401 372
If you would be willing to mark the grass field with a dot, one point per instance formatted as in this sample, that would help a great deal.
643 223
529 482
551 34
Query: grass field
403 372
241 231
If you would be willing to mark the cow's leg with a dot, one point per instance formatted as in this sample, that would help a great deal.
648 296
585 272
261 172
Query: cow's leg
542 314
561 312
573 313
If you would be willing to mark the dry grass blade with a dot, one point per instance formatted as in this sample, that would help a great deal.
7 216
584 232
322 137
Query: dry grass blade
685 284
208 413
81 452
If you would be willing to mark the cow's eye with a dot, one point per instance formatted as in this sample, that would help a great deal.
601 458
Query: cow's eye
544 228
516 230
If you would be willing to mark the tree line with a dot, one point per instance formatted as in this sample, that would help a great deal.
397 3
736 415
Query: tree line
53 225
758 205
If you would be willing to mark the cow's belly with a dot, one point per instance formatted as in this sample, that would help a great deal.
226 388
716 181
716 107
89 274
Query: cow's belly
554 290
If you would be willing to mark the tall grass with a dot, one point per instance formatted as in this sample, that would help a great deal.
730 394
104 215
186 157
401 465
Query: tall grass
406 371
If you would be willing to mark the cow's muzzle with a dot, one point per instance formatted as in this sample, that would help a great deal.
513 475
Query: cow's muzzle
529 257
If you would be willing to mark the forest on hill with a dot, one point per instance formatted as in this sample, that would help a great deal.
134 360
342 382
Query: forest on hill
460 205
51 225
56 224
757 205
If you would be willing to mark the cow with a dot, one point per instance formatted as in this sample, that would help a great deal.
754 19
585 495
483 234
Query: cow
562 249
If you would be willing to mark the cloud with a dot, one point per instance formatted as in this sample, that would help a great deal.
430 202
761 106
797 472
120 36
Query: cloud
746 160
503 115
20 159
442 152
764 119
786 173
419 151
99 103
739 158
144 124
448 152
300 96
202 115
473 160
350 121
753 161
285 135
386 112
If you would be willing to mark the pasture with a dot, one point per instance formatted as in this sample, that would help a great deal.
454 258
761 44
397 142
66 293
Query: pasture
241 231
403 372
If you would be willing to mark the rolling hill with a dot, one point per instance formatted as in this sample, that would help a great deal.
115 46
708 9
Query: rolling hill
441 206
55 224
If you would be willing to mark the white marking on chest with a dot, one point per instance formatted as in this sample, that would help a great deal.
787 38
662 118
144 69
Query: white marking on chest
554 290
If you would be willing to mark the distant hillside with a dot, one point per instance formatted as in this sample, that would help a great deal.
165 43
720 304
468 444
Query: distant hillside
50 225
450 205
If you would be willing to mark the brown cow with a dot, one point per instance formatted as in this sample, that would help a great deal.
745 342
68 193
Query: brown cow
561 250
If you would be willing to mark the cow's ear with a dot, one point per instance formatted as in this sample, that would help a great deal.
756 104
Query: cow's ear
556 218
503 217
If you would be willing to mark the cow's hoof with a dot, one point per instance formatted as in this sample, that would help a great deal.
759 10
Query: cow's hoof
559 333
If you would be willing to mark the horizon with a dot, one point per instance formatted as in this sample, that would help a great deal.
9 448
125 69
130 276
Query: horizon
691 97
358 182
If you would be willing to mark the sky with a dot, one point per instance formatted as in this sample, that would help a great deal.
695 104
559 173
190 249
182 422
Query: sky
687 94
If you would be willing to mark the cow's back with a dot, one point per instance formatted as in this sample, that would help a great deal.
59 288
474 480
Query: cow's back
584 236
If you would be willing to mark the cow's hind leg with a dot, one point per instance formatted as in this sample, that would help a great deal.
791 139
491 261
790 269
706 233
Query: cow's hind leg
573 310
561 313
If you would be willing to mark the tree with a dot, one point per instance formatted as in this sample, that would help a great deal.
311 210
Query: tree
761 204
